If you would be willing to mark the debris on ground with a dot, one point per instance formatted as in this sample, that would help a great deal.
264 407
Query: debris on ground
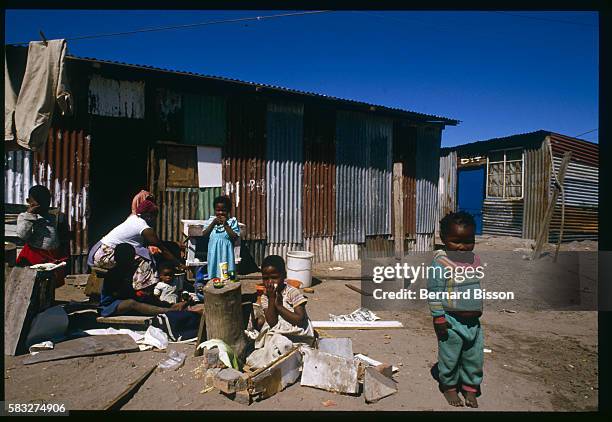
342 347
174 361
377 386
360 315
329 403
329 372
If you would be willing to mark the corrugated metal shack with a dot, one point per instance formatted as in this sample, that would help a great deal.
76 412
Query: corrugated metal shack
512 180
304 171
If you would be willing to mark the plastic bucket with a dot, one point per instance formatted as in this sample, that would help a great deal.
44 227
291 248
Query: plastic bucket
299 267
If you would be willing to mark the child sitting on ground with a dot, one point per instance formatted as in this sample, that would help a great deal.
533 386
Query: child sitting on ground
165 289
118 296
456 322
285 320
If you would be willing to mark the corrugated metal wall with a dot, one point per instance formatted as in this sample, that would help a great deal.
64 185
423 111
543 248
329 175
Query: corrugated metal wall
352 150
205 120
379 133
346 252
427 172
17 176
537 173
447 186
206 197
321 247
176 204
110 97
282 248
62 165
244 169
319 199
404 151
284 173
502 217
377 247
581 186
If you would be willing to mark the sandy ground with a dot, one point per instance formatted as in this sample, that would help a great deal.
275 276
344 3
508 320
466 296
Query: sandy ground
538 361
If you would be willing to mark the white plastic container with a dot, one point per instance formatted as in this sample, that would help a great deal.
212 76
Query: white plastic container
299 267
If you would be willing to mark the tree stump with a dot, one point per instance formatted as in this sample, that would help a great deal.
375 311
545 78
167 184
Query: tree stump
223 316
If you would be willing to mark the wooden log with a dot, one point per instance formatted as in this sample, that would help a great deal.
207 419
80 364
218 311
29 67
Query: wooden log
224 319
28 292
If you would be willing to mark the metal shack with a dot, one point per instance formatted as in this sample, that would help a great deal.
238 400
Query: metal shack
304 170
506 184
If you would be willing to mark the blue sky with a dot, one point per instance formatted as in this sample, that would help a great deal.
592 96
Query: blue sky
497 72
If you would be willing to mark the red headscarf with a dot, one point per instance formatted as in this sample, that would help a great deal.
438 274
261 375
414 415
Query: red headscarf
140 196
146 207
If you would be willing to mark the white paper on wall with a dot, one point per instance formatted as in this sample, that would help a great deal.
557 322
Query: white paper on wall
209 167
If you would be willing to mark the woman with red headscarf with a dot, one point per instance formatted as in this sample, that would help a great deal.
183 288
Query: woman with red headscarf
135 230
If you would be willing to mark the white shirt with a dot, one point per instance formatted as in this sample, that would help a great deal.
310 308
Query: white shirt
130 231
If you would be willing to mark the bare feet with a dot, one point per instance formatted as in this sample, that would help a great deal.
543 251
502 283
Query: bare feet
453 398
470 398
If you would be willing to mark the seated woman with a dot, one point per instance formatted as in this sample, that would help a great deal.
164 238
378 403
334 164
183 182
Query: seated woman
135 230
40 231
285 320
118 296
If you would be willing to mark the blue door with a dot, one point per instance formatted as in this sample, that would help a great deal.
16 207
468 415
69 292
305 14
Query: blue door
470 193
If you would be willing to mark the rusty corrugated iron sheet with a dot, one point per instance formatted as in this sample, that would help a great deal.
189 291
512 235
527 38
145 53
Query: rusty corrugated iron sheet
427 172
204 120
319 199
581 186
352 148
582 151
321 247
377 247
346 252
110 97
502 217
537 173
379 135
447 186
404 151
244 167
284 172
281 249
206 198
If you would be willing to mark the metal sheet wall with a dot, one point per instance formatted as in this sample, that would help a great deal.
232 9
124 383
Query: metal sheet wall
282 248
17 176
109 97
284 172
581 186
321 247
206 197
257 251
244 170
346 252
535 190
377 247
447 186
404 151
176 204
502 217
582 151
379 133
352 150
205 120
319 191
427 172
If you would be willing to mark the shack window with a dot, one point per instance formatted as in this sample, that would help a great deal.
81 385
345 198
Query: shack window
181 167
505 174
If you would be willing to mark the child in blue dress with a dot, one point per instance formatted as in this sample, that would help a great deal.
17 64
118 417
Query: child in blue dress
223 231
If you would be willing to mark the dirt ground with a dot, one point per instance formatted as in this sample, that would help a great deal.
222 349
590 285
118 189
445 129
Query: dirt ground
539 361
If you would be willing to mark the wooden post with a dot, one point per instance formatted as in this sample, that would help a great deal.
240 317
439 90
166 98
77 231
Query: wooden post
223 317
543 233
398 211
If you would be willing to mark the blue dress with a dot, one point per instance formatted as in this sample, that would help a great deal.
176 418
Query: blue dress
221 248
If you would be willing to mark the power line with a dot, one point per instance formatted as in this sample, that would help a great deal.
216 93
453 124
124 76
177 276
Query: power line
191 25
592 130
544 19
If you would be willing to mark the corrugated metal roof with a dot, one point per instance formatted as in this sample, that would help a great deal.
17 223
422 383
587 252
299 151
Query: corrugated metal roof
520 139
373 107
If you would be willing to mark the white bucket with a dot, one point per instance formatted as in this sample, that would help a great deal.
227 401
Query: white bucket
299 267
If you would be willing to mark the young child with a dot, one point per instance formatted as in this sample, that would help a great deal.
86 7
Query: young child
118 296
285 320
456 321
223 232
165 289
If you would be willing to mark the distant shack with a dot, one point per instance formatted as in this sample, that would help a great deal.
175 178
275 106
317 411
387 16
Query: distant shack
506 184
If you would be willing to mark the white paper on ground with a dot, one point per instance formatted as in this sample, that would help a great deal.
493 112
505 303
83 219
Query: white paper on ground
136 335
156 338
45 345
369 361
